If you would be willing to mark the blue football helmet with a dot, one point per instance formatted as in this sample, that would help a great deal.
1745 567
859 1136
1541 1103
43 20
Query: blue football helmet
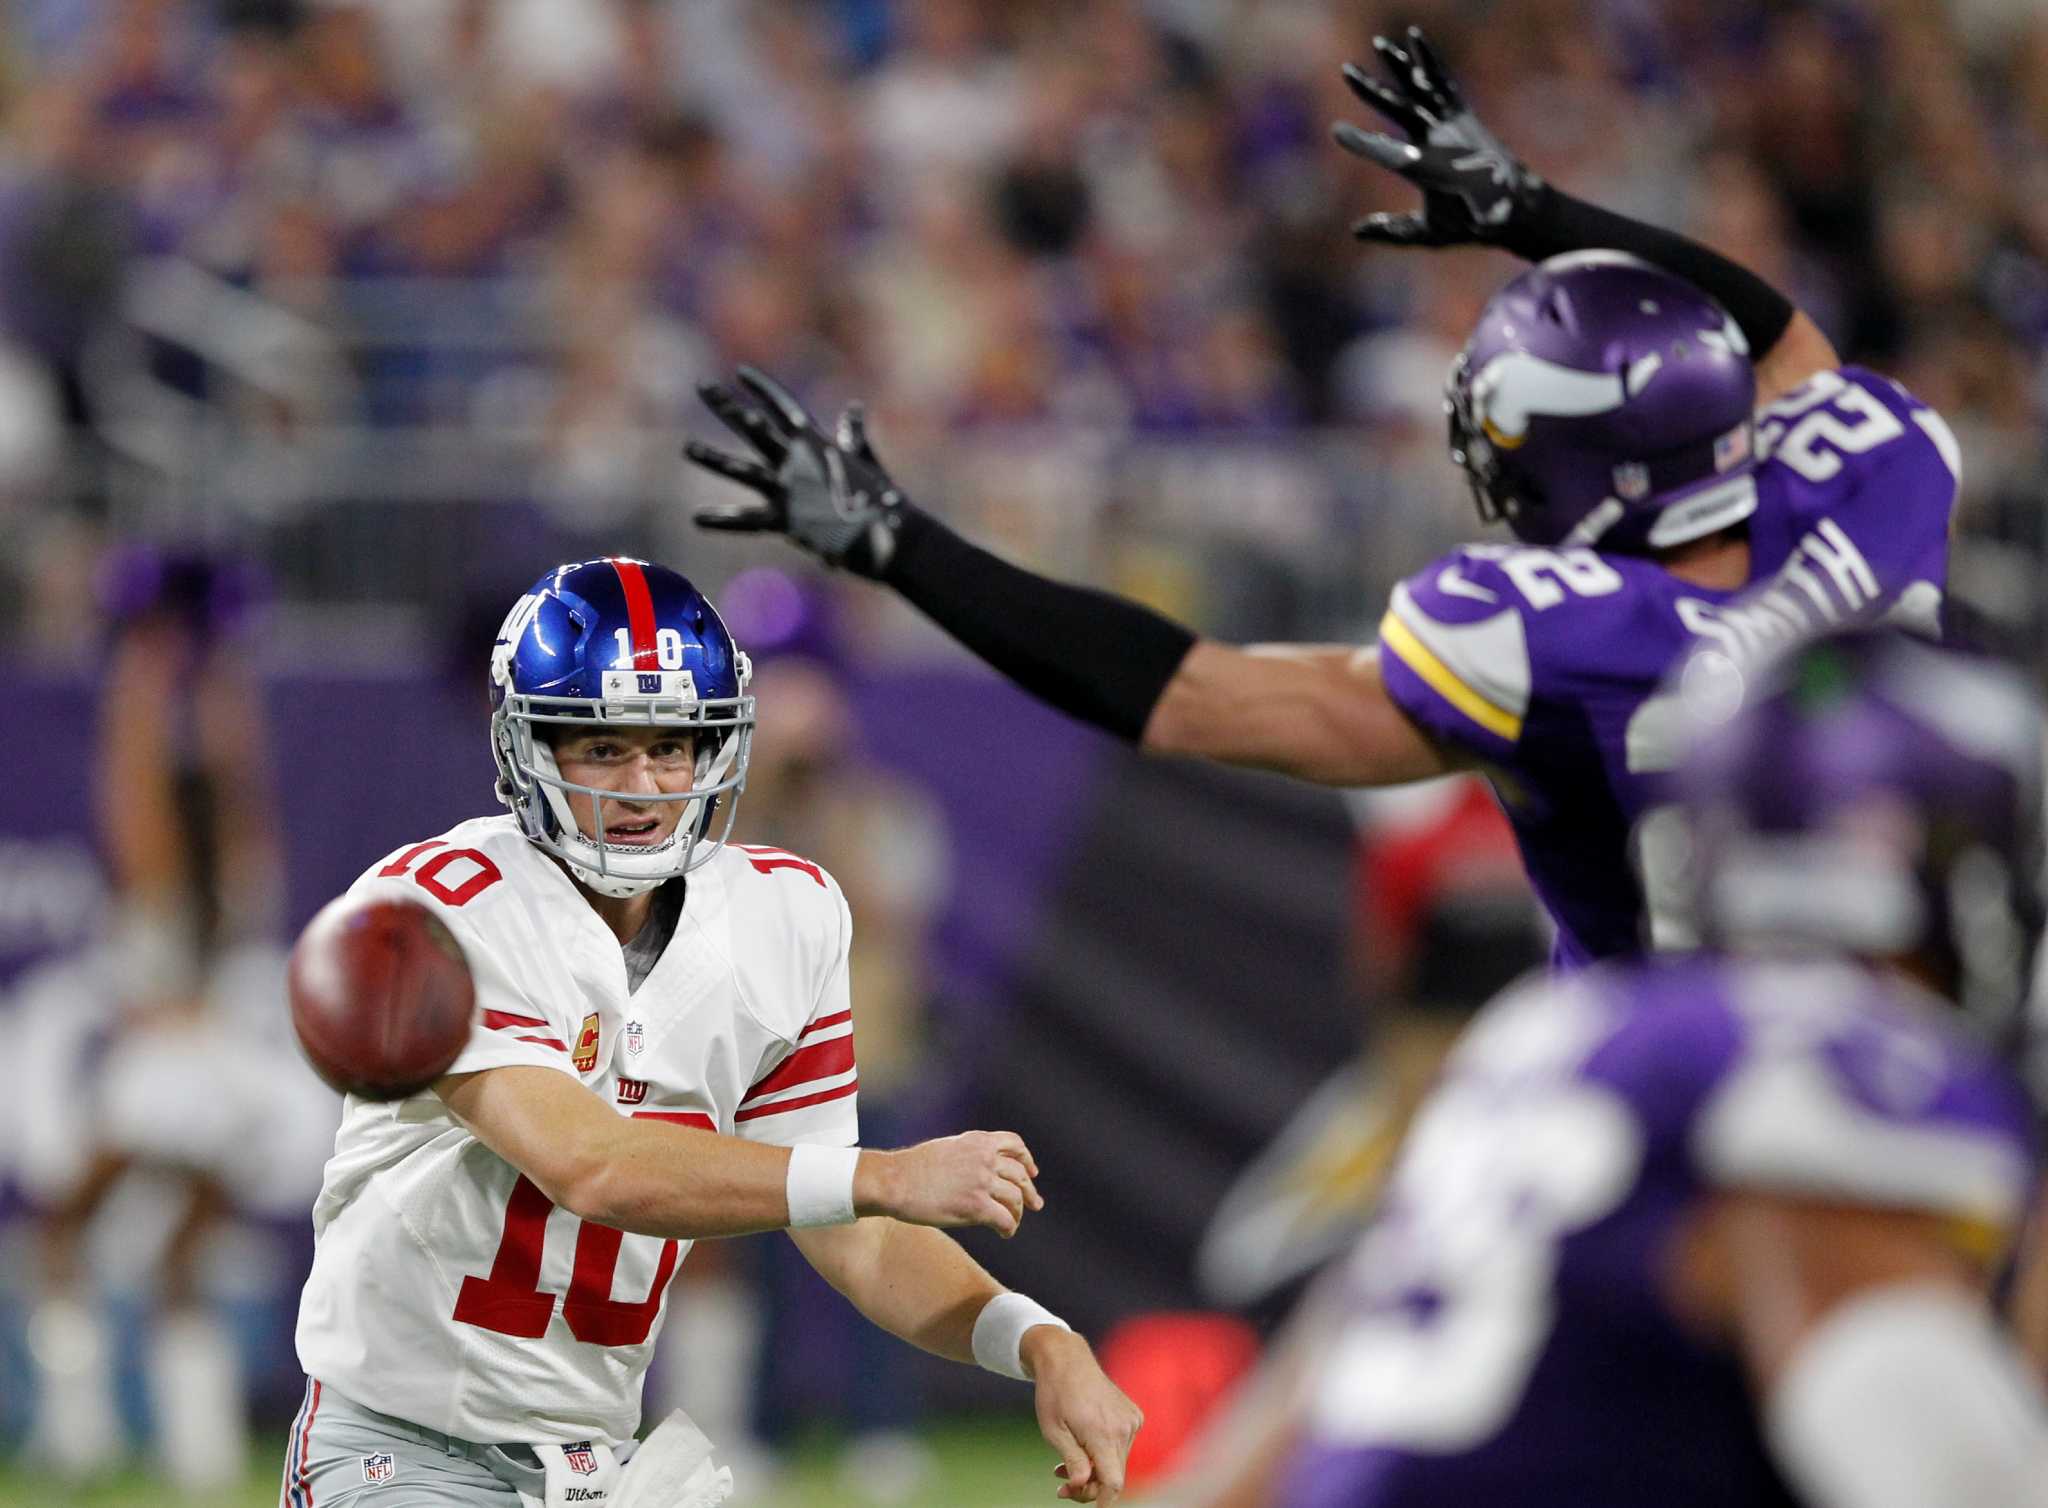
624 642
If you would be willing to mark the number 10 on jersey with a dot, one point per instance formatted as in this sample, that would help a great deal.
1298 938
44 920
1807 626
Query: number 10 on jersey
511 1301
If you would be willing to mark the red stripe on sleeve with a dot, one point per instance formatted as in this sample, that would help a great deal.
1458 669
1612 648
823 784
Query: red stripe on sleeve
639 613
802 1101
555 1042
677 1118
824 1021
817 1062
496 1019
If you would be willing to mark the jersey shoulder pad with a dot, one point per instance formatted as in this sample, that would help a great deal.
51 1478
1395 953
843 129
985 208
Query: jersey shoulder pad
1672 1043
1468 639
1846 1087
1454 653
1856 432
470 876
501 898
763 877
788 926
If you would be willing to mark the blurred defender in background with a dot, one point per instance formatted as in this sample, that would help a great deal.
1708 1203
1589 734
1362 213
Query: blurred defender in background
1745 1211
158 1057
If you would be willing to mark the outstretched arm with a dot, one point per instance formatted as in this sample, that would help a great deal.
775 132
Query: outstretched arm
1477 192
919 1285
658 1179
1318 712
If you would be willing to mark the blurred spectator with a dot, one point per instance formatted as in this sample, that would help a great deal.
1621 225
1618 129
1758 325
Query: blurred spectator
157 1057
514 234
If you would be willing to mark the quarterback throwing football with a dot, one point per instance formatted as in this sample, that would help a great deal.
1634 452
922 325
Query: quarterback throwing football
663 1051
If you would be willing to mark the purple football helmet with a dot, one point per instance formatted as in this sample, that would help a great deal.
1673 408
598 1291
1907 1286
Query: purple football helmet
1875 795
1603 402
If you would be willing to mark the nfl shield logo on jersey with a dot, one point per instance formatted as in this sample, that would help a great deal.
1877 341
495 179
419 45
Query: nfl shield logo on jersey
580 1457
379 1468
1632 481
636 1038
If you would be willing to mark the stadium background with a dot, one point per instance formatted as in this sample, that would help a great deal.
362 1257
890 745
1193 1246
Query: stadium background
400 301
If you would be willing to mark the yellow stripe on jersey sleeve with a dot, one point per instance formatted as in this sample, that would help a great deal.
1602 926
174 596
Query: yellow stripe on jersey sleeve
1399 640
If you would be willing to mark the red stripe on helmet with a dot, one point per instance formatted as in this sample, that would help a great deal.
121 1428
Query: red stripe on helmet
639 613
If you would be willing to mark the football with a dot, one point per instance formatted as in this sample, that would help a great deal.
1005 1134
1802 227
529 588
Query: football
381 996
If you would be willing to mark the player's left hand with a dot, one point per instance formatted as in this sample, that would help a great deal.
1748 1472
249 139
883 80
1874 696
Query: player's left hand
1472 186
829 493
1083 1415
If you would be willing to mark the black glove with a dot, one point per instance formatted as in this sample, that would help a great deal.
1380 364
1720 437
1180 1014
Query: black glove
1473 188
829 494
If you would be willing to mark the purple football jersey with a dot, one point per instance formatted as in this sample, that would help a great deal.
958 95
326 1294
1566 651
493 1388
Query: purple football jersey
1505 1334
1546 664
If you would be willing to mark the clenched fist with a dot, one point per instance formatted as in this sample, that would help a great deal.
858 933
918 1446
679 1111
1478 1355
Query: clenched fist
975 1178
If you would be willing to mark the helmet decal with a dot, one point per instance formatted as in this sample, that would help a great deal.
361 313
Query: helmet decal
1516 386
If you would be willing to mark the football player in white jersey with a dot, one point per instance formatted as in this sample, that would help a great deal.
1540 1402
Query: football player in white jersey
663 1051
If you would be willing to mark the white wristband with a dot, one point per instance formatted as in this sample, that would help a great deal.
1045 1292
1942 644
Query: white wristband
1908 1396
999 1332
820 1185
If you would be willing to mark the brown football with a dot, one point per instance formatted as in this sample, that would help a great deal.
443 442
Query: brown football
381 996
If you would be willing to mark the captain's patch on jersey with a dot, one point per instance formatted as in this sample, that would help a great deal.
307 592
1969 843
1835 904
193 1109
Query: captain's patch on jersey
380 1468
585 1057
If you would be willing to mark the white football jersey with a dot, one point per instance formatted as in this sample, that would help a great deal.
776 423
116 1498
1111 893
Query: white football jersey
446 1288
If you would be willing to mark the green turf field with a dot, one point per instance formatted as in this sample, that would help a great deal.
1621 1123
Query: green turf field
979 1465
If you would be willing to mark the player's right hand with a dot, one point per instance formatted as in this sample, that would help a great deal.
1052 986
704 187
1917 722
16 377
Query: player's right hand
975 1178
1472 186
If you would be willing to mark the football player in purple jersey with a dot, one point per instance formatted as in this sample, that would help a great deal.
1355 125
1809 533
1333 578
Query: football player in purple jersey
1676 451
1722 1231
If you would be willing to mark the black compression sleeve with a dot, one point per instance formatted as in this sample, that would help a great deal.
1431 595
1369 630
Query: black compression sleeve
1099 658
1556 222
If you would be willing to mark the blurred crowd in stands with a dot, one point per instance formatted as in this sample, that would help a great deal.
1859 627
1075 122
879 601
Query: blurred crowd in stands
274 258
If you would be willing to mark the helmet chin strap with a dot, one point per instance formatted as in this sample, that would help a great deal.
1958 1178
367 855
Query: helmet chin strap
617 886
